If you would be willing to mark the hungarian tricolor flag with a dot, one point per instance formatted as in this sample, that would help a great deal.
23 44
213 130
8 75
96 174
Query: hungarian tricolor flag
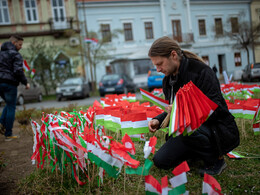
178 182
154 99
26 67
152 186
210 186
190 109
256 121
150 146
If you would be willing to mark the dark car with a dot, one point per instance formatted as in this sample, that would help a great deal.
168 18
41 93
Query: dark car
116 84
251 71
76 87
154 79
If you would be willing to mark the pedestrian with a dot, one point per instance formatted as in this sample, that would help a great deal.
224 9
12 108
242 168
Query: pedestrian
214 68
215 137
11 74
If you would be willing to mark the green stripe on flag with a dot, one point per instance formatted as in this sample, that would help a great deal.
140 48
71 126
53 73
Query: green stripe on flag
112 171
144 170
178 190
155 103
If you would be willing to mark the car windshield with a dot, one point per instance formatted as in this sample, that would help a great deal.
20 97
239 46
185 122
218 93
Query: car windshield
72 81
110 77
155 73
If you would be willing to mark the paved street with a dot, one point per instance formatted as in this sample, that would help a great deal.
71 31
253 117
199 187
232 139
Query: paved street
64 103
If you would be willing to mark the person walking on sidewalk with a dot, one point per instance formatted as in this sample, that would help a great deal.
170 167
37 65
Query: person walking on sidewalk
215 137
11 74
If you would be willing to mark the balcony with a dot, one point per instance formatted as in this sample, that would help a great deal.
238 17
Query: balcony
57 27
184 39
57 24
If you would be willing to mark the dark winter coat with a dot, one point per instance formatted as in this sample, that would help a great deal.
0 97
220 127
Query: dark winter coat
11 65
224 132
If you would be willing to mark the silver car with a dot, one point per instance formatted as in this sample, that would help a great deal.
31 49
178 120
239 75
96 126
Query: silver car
76 87
251 71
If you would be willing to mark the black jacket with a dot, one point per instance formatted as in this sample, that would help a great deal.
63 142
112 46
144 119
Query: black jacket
221 123
11 65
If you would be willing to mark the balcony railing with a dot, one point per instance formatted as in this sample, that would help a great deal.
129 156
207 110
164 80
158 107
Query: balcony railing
184 38
61 23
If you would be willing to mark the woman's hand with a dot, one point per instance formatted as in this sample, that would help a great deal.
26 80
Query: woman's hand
153 125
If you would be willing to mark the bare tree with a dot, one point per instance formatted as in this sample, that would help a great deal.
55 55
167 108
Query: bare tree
98 52
242 33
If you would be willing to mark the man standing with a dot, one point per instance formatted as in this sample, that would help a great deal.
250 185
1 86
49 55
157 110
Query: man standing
11 74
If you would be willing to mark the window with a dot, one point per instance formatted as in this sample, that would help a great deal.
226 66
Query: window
234 24
142 66
202 27
148 30
205 59
176 30
218 26
106 34
128 32
4 12
30 8
237 59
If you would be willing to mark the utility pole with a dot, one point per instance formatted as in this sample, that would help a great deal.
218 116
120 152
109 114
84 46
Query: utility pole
88 49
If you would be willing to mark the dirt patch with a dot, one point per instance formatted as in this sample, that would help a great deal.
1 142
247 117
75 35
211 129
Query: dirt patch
15 158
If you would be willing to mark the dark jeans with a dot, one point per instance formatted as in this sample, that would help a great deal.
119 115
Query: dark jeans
198 145
9 94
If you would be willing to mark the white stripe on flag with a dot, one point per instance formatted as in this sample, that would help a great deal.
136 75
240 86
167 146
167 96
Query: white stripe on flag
178 180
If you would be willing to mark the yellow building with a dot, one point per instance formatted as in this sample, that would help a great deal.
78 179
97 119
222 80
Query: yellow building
255 15
53 22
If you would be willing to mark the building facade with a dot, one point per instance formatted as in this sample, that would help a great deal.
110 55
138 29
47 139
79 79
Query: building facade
52 22
198 25
255 15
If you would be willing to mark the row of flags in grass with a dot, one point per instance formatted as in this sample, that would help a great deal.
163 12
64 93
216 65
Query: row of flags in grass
235 90
119 114
27 68
152 185
246 109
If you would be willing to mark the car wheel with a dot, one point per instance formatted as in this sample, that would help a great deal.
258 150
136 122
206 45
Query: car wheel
40 97
58 98
20 100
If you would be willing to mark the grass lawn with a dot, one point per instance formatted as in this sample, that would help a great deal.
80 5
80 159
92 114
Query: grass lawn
241 175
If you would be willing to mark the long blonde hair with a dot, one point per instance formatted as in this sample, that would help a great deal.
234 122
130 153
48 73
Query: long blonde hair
165 45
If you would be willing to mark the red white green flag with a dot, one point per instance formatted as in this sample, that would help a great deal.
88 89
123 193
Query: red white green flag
152 186
190 109
26 67
154 99
210 186
235 155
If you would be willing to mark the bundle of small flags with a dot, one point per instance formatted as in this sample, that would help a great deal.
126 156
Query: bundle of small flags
190 109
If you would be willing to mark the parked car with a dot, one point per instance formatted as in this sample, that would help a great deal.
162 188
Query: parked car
25 95
251 71
76 87
116 83
33 93
154 79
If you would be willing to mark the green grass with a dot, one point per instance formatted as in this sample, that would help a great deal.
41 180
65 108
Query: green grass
241 176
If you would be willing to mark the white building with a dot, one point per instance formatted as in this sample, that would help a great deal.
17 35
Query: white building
193 23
